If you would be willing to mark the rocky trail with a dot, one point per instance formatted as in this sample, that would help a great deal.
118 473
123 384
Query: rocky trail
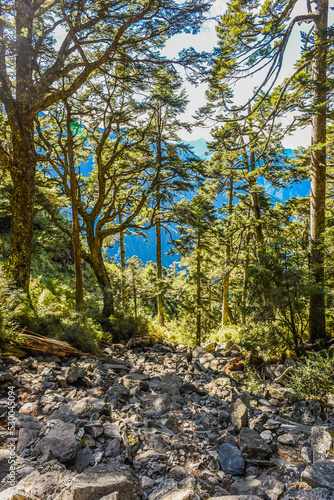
160 423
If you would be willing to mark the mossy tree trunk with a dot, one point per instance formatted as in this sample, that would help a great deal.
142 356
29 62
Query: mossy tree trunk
317 321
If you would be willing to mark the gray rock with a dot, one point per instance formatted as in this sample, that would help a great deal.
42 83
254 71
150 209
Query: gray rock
320 474
273 487
171 384
236 497
267 436
4 463
111 430
71 374
306 454
82 460
239 414
87 407
231 459
245 487
286 439
45 482
252 445
26 438
27 422
182 494
316 494
60 440
321 443
95 429
163 489
103 480
112 496
257 423
113 449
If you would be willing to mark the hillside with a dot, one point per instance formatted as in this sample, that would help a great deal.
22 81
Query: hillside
164 423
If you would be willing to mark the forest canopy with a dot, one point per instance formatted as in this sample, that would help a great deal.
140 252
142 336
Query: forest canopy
92 153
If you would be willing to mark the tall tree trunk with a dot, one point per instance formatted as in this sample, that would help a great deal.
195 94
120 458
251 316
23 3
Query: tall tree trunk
123 267
198 291
317 322
134 292
256 206
228 259
160 301
161 315
24 156
22 204
245 281
75 217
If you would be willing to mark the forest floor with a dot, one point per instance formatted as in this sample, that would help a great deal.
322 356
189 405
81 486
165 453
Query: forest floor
160 423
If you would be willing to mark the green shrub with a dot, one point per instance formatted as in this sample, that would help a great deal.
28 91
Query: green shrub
121 327
81 332
13 304
313 379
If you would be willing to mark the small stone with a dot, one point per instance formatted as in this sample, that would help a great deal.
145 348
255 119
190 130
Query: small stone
273 487
286 439
267 436
239 414
113 449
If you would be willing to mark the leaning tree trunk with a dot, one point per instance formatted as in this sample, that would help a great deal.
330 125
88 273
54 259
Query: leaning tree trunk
317 323
96 261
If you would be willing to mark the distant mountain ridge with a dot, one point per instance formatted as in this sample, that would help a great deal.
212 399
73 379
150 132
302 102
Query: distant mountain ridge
146 250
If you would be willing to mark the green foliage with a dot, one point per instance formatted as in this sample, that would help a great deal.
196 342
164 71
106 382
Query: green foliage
313 378
12 304
251 379
81 332
123 326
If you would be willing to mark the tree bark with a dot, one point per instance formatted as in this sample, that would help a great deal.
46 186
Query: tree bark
228 259
256 207
95 260
160 301
161 315
317 322
123 267
245 281
24 156
75 217
198 291
22 204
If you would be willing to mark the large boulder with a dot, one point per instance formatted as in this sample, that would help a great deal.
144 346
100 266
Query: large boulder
43 483
320 474
61 440
103 480
231 459
321 442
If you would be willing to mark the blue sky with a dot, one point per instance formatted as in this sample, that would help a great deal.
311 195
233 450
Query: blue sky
206 40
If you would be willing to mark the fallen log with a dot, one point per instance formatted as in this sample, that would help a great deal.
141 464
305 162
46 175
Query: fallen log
36 342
